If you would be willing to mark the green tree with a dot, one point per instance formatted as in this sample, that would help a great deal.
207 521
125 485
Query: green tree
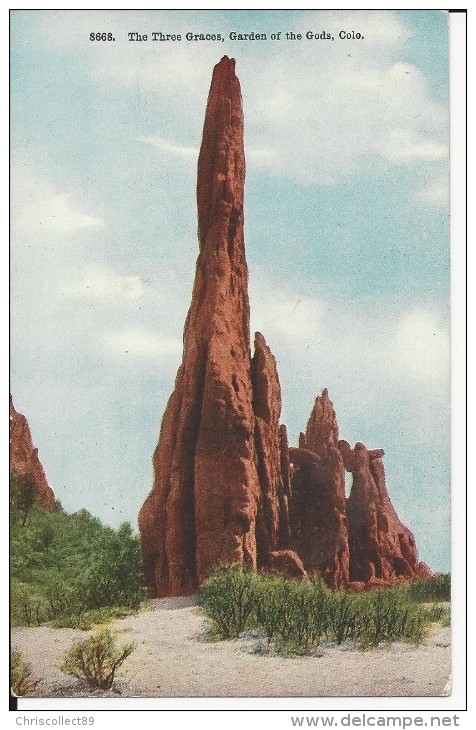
23 494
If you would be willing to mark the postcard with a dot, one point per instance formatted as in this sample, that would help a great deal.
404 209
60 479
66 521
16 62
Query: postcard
230 355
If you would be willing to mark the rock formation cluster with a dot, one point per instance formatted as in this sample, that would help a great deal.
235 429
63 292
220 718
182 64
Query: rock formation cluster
24 459
227 487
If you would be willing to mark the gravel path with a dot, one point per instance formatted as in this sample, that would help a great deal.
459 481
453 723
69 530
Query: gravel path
173 659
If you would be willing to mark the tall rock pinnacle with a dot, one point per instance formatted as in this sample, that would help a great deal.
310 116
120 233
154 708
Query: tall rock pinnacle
202 508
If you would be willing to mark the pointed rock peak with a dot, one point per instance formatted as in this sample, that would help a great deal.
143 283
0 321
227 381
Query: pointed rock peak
265 381
322 430
221 162
225 65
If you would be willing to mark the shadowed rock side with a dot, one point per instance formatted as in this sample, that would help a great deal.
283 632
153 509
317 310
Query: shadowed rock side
205 497
24 459
382 548
318 513
272 456
267 410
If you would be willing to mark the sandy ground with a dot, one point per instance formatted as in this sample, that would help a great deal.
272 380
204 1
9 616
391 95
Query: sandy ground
173 659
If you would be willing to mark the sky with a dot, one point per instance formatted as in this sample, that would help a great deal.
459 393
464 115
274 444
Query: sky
346 232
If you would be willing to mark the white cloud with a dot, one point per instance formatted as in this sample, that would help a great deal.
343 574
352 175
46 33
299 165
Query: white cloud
142 343
55 213
435 194
37 208
170 148
100 283
406 146
422 346
392 347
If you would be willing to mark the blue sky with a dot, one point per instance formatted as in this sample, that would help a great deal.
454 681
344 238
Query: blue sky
346 229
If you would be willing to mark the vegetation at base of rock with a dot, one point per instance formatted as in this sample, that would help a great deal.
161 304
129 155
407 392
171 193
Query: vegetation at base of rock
437 588
96 659
22 682
385 616
65 566
228 598
295 617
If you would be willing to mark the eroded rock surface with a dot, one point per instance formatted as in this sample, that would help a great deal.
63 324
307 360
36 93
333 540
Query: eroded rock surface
382 548
267 411
318 510
205 497
24 459
227 487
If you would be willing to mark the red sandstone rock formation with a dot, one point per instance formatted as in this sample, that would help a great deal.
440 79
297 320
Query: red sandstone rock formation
204 501
24 459
318 519
382 548
273 530
226 486
267 409
221 468
286 562
285 495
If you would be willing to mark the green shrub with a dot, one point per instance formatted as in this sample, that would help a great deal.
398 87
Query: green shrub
306 617
271 606
96 659
87 619
27 607
228 599
431 589
20 675
438 613
387 615
293 616
341 616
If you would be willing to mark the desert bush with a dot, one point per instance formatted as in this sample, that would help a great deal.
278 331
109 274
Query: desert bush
271 609
437 588
228 599
96 659
85 620
341 612
293 616
307 617
438 613
21 679
387 615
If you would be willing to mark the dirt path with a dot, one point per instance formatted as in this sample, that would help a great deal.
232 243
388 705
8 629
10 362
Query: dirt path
172 659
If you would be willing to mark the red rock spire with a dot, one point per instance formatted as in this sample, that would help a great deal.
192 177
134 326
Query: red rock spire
202 508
